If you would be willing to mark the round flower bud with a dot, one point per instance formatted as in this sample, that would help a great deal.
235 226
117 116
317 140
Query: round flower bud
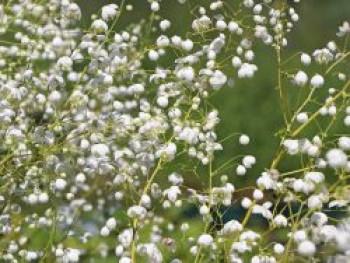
244 139
317 81
306 248
162 101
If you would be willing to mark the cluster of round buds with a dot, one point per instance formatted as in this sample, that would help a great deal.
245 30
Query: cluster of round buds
92 118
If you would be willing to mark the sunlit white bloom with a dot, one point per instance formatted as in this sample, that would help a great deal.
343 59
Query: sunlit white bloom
265 181
302 117
151 251
247 70
300 236
344 143
280 221
99 26
244 139
60 184
323 56
278 249
306 248
300 78
317 81
248 161
241 170
305 59
218 79
231 227
336 158
205 240
108 12
99 149
344 29
155 6
137 212
186 73
165 24
314 202
65 63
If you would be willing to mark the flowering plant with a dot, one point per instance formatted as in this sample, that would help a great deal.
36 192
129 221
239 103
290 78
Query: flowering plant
104 127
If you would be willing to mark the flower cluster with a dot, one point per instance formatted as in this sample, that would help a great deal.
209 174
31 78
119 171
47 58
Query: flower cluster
102 137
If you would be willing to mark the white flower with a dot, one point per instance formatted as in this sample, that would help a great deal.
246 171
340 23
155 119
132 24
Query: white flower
328 233
99 150
109 12
175 179
65 63
317 81
155 6
249 236
137 212
186 73
316 177
314 201
125 260
278 249
43 198
221 25
300 78
247 70
105 231
55 96
241 247
299 236
244 139
236 62
201 23
99 26
218 79
323 56
248 161
305 59
151 251
231 227
280 221
241 170
266 182
204 210
292 146
126 237
153 55
205 240
347 120
162 101
164 24
344 29
306 248
32 199
73 255
60 184
172 193
187 44
258 194
302 117
111 223
336 158
344 143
